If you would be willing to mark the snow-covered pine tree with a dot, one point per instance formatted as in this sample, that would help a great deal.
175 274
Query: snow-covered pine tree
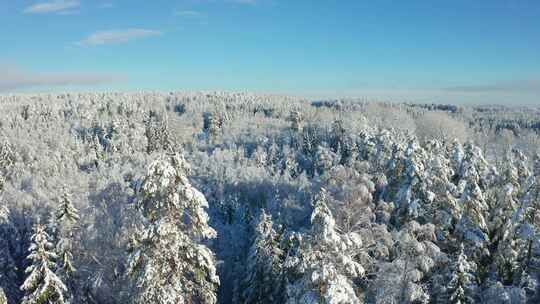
42 285
438 169
526 221
462 282
531 181
365 145
352 195
413 197
296 119
379 148
530 203
7 156
8 266
527 257
506 216
289 165
167 261
444 210
52 227
446 213
503 197
456 158
67 215
260 157
212 125
264 281
522 168
157 133
414 257
97 155
324 160
394 171
473 166
66 211
503 231
340 143
324 265
472 225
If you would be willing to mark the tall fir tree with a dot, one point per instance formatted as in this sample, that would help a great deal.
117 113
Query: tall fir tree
413 198
42 285
8 265
66 210
296 119
462 282
526 222
167 261
324 266
520 161
455 156
472 225
503 230
504 201
66 216
264 280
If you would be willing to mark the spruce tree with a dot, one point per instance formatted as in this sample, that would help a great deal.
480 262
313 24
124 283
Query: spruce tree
438 170
462 282
337 140
456 158
167 261
42 285
520 161
504 203
264 282
394 171
296 119
7 156
99 154
473 166
400 281
472 225
413 197
504 225
444 210
212 125
8 266
324 160
503 230
526 221
323 269
67 215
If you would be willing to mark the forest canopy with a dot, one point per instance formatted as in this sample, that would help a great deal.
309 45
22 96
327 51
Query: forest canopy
215 197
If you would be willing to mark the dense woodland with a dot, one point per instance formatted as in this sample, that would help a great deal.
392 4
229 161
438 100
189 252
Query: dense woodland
242 198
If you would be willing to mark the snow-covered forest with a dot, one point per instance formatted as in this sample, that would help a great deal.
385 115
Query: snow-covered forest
241 198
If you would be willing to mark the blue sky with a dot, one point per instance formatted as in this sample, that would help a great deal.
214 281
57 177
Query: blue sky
458 51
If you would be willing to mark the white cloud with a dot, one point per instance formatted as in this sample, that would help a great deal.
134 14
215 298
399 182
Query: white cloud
241 2
13 78
106 5
117 36
250 2
56 6
190 14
